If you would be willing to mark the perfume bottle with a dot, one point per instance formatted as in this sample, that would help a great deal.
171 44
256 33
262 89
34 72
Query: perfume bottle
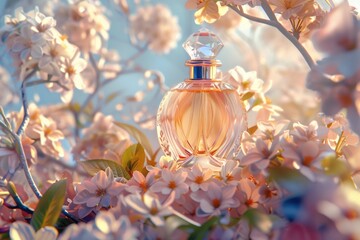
202 117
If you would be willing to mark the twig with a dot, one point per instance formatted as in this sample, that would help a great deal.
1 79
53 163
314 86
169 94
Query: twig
20 151
141 51
38 82
241 12
97 84
269 12
276 24
19 205
62 164
25 120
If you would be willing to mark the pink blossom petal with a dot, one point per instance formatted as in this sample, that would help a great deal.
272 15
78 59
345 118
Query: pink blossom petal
81 197
22 231
251 158
101 180
309 149
92 201
138 176
206 206
105 201
228 191
158 186
136 204
339 32
158 221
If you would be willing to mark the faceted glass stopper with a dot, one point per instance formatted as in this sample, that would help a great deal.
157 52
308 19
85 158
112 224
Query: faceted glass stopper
203 45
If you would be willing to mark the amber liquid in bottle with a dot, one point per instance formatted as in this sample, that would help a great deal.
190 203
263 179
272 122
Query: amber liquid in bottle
203 120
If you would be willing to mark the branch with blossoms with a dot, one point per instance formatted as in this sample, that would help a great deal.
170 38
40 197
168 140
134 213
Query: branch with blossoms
297 20
286 178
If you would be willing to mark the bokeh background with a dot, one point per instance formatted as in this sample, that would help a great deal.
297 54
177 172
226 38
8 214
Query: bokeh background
249 45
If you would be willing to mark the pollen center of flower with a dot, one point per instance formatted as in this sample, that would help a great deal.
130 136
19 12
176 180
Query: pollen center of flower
199 179
70 70
229 177
47 131
307 160
154 210
172 185
249 202
216 202
100 192
351 214
143 186
54 53
63 37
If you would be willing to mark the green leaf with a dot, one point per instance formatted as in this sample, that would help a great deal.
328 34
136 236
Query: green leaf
133 158
289 179
138 135
201 232
5 236
49 207
93 166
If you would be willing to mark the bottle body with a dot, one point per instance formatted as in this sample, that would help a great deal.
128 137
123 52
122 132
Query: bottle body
200 118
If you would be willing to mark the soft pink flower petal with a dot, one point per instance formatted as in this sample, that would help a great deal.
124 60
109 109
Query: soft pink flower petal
339 32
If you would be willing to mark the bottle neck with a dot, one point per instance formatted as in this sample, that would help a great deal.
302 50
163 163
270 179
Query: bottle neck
203 69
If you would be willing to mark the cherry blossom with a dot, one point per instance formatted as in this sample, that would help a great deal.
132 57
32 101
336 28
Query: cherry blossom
99 192
140 184
155 26
287 8
230 172
99 138
21 230
150 207
171 182
259 157
207 10
84 22
215 200
198 178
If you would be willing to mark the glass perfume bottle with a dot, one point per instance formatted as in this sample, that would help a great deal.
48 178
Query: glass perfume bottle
202 117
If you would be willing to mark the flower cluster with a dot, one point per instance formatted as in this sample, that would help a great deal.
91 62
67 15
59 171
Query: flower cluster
36 45
336 77
241 188
298 16
85 24
103 139
252 91
156 27
41 135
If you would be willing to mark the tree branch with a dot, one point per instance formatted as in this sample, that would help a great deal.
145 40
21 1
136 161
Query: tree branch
20 151
276 24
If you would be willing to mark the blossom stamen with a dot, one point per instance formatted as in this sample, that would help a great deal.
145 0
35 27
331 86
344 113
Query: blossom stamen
216 202
199 179
172 185
100 192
